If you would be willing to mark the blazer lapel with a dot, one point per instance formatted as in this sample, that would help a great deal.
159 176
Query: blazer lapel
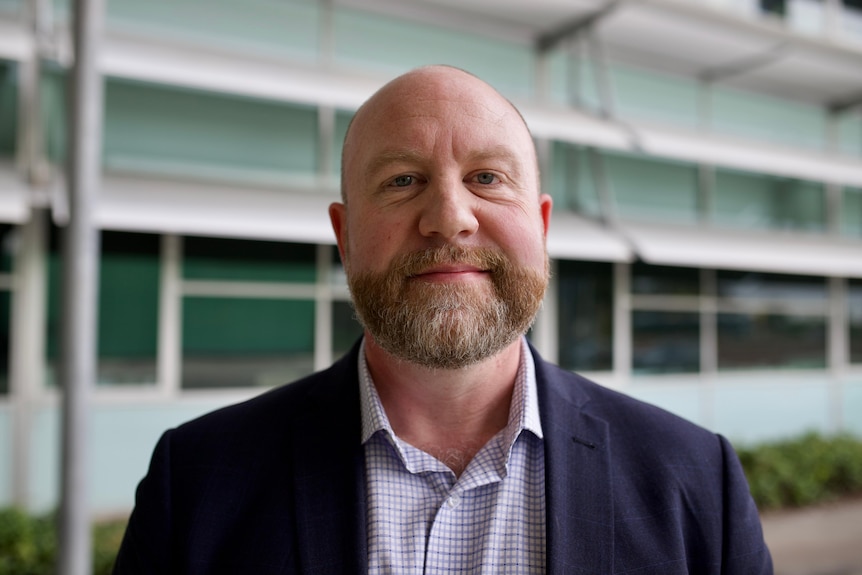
578 482
329 475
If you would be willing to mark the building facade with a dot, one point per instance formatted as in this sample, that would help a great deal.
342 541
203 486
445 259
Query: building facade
705 159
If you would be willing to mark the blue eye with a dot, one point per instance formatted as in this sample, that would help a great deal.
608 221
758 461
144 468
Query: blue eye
486 178
402 181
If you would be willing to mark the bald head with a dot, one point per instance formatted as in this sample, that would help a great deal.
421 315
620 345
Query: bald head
452 92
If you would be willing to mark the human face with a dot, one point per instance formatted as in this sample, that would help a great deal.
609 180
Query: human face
440 170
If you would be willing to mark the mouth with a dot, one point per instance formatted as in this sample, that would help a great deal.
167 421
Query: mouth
446 273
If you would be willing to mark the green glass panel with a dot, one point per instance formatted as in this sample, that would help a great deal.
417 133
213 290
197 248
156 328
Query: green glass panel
770 341
665 342
128 308
642 95
855 319
345 328
8 243
8 108
53 106
851 214
5 334
396 45
248 260
173 128
241 342
572 81
585 324
849 128
741 286
647 188
664 280
572 182
12 7
769 119
283 27
747 200
342 121
127 312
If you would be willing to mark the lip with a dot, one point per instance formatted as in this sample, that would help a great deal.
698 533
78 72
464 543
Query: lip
450 272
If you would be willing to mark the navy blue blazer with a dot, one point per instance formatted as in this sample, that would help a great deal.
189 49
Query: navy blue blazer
276 485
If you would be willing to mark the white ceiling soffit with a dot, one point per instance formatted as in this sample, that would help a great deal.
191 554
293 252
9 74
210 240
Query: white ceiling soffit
14 196
574 237
573 126
15 42
730 153
167 62
745 250
146 204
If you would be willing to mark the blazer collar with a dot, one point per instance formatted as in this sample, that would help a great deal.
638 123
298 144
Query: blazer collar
330 498
578 482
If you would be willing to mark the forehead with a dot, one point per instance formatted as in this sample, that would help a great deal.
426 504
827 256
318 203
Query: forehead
439 119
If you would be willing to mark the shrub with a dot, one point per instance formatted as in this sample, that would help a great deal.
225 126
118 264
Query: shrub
28 544
804 471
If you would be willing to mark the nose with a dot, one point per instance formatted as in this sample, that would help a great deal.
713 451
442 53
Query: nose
449 211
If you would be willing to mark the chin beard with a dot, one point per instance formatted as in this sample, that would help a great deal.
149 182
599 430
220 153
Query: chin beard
447 325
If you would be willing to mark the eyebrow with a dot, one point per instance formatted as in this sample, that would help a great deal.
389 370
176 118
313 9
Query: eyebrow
392 157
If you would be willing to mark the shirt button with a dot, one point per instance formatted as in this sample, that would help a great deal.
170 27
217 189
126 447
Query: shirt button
453 501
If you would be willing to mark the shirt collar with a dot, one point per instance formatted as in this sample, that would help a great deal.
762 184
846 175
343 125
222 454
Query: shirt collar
523 413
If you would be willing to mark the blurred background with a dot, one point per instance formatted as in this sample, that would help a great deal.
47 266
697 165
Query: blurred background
705 159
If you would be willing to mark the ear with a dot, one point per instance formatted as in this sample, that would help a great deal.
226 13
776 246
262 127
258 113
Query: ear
338 218
546 202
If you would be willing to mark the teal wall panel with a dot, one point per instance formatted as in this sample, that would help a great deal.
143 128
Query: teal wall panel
647 188
6 456
274 26
852 405
767 118
685 400
151 125
655 97
379 42
754 411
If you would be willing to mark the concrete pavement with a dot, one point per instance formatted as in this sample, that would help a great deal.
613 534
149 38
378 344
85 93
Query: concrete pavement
822 540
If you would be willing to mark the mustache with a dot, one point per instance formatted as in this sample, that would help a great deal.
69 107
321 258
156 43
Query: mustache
417 262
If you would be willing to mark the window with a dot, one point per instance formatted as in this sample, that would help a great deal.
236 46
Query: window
770 341
128 308
851 214
771 321
854 291
248 312
665 319
245 342
665 342
7 245
585 324
746 200
196 133
664 280
572 181
647 188
8 108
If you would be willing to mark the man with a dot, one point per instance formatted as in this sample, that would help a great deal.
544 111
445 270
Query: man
442 442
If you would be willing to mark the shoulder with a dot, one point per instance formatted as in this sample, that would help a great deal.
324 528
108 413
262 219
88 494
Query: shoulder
326 397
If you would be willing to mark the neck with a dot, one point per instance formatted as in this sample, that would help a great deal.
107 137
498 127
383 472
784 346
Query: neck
449 413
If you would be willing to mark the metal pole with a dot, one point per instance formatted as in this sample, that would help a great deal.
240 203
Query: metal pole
80 287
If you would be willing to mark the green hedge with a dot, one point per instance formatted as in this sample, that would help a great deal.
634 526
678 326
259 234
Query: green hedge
804 471
28 545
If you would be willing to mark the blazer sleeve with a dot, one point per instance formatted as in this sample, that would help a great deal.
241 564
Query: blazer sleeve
744 550
146 546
